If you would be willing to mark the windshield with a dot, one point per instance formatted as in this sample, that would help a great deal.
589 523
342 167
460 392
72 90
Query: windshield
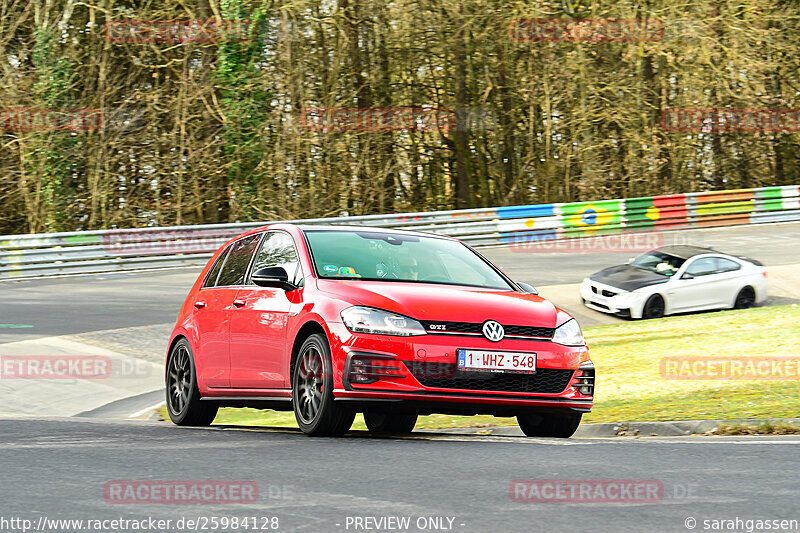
398 257
659 262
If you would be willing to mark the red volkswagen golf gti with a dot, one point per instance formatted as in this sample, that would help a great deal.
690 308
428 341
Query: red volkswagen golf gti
329 321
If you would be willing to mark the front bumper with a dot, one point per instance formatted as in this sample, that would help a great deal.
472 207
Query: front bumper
421 371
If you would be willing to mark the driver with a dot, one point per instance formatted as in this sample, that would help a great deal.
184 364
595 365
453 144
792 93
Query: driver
407 267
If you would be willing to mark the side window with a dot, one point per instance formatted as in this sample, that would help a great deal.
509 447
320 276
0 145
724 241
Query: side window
726 265
703 266
277 250
211 279
235 267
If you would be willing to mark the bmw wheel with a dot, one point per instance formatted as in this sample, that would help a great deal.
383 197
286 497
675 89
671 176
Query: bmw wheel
183 397
316 412
746 298
654 307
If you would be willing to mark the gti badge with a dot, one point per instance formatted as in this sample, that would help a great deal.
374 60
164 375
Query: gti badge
493 331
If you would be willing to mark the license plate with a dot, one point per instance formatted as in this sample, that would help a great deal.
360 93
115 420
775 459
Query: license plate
491 361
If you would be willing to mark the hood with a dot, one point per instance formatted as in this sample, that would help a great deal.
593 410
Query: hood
435 302
628 278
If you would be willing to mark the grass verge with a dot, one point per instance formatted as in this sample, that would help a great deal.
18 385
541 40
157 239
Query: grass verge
767 428
629 383
630 386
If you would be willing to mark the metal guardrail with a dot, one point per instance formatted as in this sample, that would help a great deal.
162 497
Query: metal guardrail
85 252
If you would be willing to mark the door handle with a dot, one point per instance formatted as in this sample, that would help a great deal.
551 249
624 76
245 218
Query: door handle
199 305
238 303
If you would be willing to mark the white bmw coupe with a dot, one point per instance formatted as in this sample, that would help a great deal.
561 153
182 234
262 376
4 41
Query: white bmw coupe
676 279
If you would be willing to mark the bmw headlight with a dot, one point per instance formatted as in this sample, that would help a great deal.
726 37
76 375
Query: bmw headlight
569 334
368 320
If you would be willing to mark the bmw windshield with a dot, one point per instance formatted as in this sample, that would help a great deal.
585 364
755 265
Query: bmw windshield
378 256
659 262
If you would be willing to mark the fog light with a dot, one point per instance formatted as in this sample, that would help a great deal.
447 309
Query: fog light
359 370
365 368
584 380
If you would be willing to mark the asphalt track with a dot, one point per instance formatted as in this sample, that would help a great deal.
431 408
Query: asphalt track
57 467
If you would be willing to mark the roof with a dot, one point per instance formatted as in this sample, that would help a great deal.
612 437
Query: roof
686 251
370 229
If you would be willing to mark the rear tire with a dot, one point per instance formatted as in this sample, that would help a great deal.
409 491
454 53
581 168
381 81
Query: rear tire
746 298
549 425
316 412
653 307
183 397
387 422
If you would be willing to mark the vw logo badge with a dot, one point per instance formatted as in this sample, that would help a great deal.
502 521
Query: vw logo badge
493 331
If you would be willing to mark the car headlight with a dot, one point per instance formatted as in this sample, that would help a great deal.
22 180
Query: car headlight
368 320
569 334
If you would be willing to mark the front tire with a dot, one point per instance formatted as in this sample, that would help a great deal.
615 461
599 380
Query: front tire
183 397
549 425
654 307
312 392
387 422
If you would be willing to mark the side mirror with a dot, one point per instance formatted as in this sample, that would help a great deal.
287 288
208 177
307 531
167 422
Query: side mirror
686 275
273 277
527 288
630 260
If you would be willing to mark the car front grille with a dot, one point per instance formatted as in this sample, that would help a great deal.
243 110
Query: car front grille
604 292
476 328
448 376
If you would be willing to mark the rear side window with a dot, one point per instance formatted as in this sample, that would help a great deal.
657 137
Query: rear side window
238 259
726 265
211 280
